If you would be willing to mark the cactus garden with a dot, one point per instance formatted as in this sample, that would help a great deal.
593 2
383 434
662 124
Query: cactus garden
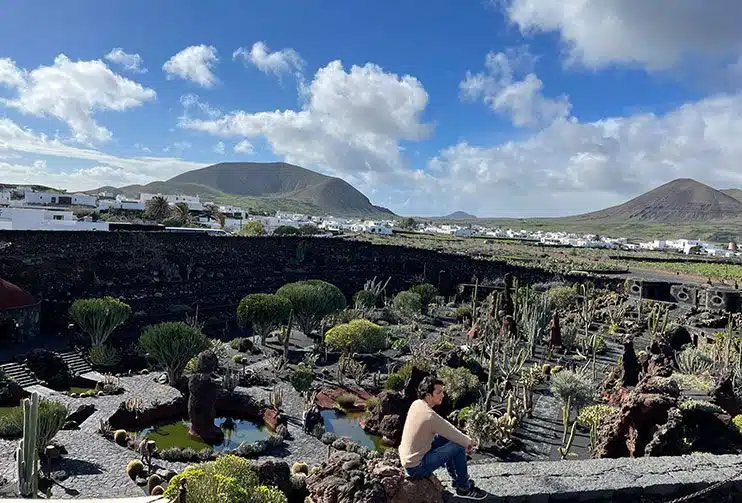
532 372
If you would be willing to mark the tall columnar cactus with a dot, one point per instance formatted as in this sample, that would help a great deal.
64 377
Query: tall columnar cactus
27 457
657 321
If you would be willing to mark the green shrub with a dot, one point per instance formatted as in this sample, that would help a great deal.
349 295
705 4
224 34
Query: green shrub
285 230
311 300
50 367
593 416
242 344
172 345
104 356
427 293
364 299
737 422
302 378
463 414
462 313
11 423
253 228
357 336
347 400
408 303
458 382
700 405
11 392
264 311
402 344
98 318
372 402
562 297
229 478
395 382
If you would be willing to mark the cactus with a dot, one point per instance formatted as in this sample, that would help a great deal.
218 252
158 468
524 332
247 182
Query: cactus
153 481
284 335
564 451
229 382
566 409
134 468
657 321
119 436
299 467
275 398
27 456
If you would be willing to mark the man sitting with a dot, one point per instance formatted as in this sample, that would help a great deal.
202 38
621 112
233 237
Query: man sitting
430 442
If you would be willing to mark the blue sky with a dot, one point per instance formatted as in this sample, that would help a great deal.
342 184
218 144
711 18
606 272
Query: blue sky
506 107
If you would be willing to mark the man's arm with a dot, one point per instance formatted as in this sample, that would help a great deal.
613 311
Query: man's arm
449 431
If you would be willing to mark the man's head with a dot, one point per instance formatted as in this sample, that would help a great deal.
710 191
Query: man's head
431 390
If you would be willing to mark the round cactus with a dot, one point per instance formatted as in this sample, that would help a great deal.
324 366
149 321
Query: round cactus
119 436
134 469
299 467
153 482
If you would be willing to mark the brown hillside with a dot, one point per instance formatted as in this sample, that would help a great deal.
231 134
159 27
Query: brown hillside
735 193
680 201
275 181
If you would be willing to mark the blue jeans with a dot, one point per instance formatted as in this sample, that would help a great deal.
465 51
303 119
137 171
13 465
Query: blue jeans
444 453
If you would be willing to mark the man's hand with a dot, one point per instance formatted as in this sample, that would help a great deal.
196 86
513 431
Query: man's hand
471 447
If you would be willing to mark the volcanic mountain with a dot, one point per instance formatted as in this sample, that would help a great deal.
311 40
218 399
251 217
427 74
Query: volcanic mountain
680 201
460 215
265 186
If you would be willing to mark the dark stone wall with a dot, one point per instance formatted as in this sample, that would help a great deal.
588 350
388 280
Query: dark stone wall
165 275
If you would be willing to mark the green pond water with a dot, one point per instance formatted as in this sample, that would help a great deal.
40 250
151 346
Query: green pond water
176 434
348 425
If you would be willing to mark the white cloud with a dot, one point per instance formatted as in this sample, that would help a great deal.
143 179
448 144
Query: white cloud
10 74
244 147
277 62
107 170
351 124
130 62
656 34
193 102
502 90
219 148
72 91
194 63
571 166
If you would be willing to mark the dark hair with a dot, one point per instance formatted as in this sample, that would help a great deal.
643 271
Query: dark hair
427 386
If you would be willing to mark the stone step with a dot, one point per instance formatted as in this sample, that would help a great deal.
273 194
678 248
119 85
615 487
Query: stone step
19 373
75 361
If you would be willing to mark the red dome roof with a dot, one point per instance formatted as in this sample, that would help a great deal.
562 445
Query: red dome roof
12 296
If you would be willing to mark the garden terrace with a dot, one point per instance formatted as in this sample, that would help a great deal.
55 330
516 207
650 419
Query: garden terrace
161 276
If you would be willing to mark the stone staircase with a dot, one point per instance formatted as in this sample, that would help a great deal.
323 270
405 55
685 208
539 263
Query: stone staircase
19 373
75 361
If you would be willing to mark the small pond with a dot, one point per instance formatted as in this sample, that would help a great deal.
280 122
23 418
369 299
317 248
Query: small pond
81 385
176 434
348 425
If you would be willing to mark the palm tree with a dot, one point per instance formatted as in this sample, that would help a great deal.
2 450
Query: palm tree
157 208
217 215
182 213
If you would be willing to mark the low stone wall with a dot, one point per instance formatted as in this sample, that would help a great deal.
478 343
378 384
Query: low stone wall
627 480
164 275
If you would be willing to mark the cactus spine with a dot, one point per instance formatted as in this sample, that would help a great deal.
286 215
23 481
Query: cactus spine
27 457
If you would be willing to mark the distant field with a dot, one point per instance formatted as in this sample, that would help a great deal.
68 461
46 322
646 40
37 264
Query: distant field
721 232
562 259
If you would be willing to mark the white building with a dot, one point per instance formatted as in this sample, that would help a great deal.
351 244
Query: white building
58 198
193 202
120 203
4 198
463 233
38 219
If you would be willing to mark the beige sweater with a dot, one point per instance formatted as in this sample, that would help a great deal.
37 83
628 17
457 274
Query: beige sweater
420 427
